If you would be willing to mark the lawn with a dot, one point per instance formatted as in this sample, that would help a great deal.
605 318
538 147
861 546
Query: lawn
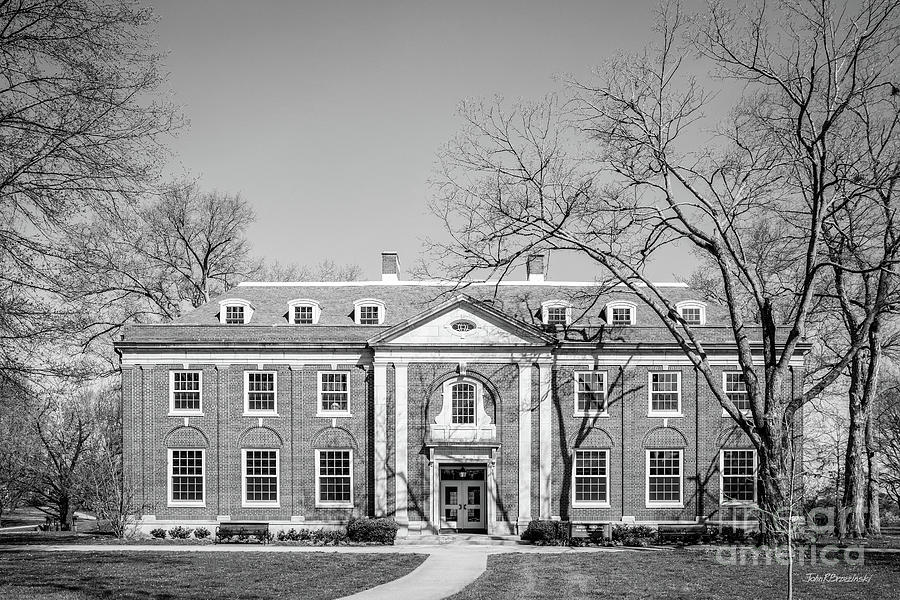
687 574
195 575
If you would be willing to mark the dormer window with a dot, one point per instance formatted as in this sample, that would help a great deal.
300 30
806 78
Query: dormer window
368 312
556 312
235 311
692 311
621 313
234 315
303 312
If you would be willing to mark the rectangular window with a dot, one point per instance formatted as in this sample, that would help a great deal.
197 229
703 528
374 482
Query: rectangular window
334 395
738 476
590 392
186 477
665 393
234 315
736 390
368 315
184 392
664 478
303 315
691 315
591 478
621 315
259 392
557 315
261 477
334 478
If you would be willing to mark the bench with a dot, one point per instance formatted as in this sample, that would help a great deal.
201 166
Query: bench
681 533
257 530
593 531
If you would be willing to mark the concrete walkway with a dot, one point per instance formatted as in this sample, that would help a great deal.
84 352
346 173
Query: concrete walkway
445 572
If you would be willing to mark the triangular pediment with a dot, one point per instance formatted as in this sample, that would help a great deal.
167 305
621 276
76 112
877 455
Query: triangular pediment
489 327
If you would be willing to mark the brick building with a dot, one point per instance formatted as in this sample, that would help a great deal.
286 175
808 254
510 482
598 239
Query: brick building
479 408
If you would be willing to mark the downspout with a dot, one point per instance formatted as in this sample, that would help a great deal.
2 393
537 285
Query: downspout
622 443
701 491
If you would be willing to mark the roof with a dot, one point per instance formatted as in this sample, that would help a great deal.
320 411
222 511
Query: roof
407 303
405 300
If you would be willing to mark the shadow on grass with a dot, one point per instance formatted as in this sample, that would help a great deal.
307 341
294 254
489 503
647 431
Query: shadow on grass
196 576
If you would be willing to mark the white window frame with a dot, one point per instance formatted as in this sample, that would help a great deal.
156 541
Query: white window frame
321 412
474 400
577 412
680 306
248 309
256 503
621 304
746 412
329 503
248 412
357 305
316 310
547 305
663 413
170 476
591 503
182 412
667 503
722 501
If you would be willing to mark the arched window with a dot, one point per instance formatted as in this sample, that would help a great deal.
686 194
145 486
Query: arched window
463 416
463 399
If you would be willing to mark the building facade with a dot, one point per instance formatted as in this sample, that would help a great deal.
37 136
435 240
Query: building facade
448 408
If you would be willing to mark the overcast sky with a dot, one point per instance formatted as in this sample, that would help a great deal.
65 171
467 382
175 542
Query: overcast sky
326 115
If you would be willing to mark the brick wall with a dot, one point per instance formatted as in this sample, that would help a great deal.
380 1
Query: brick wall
223 430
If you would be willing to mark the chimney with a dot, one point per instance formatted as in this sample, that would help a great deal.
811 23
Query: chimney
390 266
535 268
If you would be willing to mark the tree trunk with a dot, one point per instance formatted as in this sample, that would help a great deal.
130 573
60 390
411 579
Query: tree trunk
854 462
772 489
873 490
855 476
65 514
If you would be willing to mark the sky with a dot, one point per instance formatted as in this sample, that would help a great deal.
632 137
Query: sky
327 116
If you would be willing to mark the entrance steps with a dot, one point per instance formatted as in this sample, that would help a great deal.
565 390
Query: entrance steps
461 539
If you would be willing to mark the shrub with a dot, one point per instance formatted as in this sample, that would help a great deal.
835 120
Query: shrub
377 531
634 535
547 533
180 533
265 537
201 533
313 537
158 533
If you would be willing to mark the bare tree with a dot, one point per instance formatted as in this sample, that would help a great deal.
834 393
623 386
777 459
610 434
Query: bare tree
17 450
620 177
885 437
64 428
80 125
327 270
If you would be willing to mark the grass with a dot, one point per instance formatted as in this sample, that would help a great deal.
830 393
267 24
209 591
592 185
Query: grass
194 575
687 574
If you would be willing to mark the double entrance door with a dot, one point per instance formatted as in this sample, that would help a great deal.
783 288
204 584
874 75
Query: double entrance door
463 499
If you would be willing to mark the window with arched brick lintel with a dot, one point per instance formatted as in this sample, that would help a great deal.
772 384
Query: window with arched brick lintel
334 437
592 437
186 437
665 437
260 437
